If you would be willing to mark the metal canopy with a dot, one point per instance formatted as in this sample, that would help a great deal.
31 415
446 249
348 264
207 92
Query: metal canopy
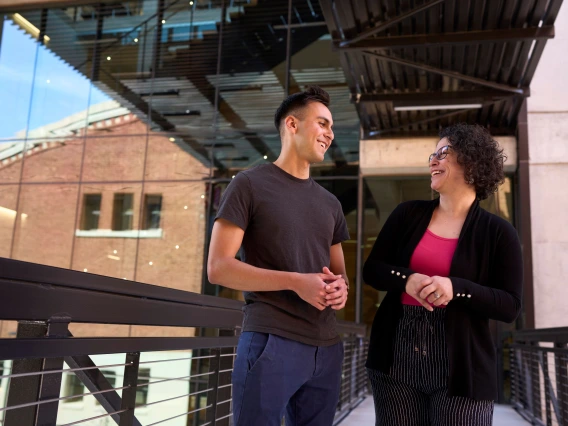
415 66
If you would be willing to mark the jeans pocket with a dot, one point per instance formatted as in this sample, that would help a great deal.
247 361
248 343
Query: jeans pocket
257 349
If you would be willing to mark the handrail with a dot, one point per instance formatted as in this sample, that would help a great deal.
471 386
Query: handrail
45 300
17 270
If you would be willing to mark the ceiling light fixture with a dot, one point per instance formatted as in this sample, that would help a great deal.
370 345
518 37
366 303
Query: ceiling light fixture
436 107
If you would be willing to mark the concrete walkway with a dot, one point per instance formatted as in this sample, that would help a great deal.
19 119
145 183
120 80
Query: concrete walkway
364 415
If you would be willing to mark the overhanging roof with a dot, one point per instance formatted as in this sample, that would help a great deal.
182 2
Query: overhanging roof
415 66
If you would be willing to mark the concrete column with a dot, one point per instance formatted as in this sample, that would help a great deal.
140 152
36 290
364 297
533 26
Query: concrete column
548 153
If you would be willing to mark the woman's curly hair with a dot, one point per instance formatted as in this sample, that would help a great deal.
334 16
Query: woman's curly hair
480 156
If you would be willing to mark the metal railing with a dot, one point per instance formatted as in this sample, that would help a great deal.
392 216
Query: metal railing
539 375
45 369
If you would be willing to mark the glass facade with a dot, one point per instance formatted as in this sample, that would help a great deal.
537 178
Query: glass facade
127 121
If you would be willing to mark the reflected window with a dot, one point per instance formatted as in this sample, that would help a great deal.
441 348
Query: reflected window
152 211
91 211
142 391
73 386
123 212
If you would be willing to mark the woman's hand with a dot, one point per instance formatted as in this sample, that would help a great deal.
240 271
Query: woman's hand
439 292
415 285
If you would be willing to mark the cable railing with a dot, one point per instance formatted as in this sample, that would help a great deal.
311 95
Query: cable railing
539 375
48 376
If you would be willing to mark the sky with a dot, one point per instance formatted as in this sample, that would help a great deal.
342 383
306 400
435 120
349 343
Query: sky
31 74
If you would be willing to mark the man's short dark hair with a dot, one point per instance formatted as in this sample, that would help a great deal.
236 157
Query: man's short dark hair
293 103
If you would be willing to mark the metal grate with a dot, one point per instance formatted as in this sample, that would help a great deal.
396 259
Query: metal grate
539 375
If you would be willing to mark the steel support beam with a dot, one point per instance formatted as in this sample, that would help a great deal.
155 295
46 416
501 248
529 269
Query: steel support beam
95 381
462 37
384 25
524 220
447 73
415 123
436 98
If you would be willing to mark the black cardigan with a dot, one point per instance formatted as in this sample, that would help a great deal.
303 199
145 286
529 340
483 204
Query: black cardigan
486 273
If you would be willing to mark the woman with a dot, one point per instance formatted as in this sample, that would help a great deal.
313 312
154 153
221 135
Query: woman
448 267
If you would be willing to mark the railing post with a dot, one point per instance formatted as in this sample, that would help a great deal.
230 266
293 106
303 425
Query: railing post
562 382
535 381
37 387
224 390
543 358
214 385
353 378
25 389
50 385
219 397
130 383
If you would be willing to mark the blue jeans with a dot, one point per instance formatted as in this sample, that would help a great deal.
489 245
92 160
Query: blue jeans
274 376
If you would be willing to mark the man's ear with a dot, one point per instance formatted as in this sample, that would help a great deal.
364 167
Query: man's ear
291 123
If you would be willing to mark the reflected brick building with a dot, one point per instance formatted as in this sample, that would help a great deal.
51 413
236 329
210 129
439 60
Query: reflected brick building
135 219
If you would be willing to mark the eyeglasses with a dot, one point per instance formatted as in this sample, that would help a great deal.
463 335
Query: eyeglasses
440 154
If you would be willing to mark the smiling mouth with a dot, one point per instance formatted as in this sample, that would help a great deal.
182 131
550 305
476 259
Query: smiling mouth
436 173
324 146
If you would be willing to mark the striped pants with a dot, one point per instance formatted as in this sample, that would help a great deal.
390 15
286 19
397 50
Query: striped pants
415 391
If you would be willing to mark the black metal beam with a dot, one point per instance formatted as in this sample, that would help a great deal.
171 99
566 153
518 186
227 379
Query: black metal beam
61 347
384 25
524 220
447 73
462 37
376 133
436 98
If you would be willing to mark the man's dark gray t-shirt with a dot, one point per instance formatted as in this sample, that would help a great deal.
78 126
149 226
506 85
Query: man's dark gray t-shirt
290 225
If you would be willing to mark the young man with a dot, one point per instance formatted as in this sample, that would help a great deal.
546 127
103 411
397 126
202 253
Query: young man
289 355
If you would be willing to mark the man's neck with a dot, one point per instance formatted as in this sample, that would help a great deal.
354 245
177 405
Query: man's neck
293 165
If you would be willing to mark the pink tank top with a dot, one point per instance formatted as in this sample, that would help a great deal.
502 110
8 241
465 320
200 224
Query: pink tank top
432 256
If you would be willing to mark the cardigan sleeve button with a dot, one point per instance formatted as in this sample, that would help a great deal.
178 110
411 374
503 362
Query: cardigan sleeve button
404 276
469 296
458 295
398 273
392 272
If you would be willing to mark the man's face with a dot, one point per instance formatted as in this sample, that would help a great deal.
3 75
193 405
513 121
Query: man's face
314 132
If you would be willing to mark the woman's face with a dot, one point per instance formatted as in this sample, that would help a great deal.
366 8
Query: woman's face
445 172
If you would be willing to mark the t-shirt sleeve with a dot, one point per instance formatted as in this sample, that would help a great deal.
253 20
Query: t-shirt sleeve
236 202
340 233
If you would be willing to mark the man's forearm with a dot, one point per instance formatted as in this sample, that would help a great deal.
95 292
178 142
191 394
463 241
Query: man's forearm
233 273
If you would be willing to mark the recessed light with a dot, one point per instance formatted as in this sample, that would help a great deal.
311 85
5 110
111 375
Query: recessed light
436 107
